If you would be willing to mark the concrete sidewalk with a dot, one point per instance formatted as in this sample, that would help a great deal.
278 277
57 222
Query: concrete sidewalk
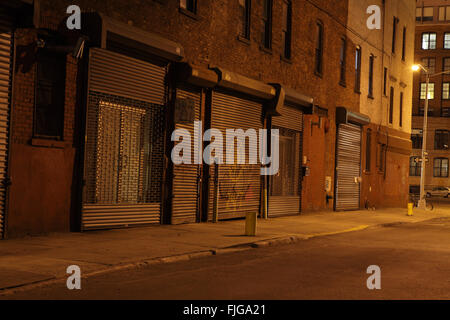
34 261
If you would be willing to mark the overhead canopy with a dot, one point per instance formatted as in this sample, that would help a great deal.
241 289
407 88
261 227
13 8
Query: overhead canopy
343 115
197 76
234 81
285 95
102 29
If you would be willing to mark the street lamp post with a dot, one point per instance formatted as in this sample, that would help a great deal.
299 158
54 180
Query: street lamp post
422 200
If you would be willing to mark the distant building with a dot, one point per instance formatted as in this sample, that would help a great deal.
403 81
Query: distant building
384 85
432 51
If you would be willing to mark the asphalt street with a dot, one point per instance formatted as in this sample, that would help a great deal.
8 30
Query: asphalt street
414 260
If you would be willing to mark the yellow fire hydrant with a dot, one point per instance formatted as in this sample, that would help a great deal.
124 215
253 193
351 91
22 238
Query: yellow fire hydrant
410 209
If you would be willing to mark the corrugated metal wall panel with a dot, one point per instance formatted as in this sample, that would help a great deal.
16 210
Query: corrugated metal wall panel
5 80
348 167
114 216
186 176
124 146
142 82
291 118
239 185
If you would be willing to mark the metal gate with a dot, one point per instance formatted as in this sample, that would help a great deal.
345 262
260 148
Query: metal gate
5 82
239 185
285 187
186 180
124 141
348 167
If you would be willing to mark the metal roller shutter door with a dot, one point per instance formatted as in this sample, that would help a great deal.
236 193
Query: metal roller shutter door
348 167
5 81
124 142
239 185
186 176
291 118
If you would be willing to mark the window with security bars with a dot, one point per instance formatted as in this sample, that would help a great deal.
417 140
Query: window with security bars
415 166
445 112
124 151
440 168
441 139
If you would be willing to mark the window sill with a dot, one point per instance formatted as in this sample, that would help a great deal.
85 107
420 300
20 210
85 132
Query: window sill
47 143
243 39
370 96
287 60
358 91
265 50
320 75
188 13
343 84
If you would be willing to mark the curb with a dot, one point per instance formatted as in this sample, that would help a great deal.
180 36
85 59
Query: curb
284 240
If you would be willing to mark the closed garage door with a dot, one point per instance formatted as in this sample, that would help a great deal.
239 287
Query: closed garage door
5 80
239 185
348 167
186 179
285 187
124 141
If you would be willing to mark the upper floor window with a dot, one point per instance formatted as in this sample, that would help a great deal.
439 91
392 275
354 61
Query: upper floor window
358 69
394 33
391 106
446 90
446 64
371 69
441 139
429 41
440 168
50 96
423 91
189 5
417 138
444 13
414 167
404 44
245 13
319 48
342 61
287 28
267 24
446 40
429 64
424 14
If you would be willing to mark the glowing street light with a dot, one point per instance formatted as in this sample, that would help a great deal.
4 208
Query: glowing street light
422 202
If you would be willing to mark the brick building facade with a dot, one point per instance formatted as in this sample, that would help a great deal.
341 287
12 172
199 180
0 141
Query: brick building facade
210 52
432 18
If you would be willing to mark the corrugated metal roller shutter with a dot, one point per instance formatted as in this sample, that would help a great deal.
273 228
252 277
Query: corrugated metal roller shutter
125 142
291 118
285 192
5 80
186 176
239 185
348 167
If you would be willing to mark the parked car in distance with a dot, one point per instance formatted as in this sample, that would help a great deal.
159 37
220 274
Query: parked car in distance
438 192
